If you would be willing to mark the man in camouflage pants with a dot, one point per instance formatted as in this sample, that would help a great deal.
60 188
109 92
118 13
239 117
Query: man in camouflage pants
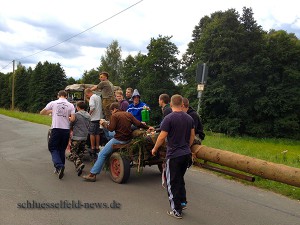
80 128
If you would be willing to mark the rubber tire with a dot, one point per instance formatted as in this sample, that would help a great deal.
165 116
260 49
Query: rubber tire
119 168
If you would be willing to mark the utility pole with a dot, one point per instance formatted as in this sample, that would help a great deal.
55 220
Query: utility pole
13 88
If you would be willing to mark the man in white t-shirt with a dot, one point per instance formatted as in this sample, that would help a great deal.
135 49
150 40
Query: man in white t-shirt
96 114
62 113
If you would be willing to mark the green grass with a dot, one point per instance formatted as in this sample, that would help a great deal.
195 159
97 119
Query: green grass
281 151
32 117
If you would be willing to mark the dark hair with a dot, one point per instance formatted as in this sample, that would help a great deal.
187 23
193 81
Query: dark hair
114 105
104 73
186 102
62 93
165 98
81 105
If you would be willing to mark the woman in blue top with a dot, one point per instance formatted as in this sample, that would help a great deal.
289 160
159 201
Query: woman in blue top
137 106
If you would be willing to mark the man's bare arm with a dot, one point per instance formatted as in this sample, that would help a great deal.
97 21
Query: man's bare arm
45 112
159 141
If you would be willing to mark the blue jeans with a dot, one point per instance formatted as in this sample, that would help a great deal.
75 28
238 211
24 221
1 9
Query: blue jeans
104 153
57 145
109 134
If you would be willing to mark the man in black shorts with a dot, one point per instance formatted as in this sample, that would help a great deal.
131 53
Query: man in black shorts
178 128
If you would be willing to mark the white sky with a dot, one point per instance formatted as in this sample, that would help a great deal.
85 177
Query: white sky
28 27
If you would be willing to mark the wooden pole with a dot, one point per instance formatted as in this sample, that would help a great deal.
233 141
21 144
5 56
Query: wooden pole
271 171
13 88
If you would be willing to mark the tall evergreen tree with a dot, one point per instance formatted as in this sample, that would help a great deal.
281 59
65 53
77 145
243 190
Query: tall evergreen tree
5 93
46 80
21 88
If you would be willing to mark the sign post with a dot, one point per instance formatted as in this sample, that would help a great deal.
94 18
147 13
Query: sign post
201 77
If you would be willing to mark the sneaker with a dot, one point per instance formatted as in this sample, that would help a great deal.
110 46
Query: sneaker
61 172
90 177
79 169
183 205
175 215
55 171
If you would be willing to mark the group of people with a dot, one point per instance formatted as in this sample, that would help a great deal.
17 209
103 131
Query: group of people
116 115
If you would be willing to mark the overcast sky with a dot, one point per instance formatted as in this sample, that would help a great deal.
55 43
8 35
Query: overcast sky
28 27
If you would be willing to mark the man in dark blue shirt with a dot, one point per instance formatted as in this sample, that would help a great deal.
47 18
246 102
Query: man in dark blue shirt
178 128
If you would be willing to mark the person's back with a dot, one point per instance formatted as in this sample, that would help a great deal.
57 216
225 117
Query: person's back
178 125
178 128
61 110
80 128
81 125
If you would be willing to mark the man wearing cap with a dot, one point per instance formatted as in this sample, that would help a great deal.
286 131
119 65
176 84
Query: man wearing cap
137 106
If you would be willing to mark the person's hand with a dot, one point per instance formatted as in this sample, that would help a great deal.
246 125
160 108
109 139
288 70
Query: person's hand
150 130
153 151
102 121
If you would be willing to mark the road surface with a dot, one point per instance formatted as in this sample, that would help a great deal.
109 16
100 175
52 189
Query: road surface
27 184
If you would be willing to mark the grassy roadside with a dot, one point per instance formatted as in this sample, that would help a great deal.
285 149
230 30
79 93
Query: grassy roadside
281 151
32 117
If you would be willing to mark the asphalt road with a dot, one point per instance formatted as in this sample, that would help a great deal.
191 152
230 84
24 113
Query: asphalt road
27 180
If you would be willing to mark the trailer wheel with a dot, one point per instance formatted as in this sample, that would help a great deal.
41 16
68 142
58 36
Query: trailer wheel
119 168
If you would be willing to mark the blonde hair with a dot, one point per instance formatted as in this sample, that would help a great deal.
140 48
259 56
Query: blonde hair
119 92
176 100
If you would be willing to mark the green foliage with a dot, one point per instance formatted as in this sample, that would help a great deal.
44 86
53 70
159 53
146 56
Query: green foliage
161 68
111 62
5 87
71 80
45 82
251 87
90 77
132 70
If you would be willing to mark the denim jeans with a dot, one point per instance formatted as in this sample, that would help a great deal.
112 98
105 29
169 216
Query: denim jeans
104 153
109 134
57 145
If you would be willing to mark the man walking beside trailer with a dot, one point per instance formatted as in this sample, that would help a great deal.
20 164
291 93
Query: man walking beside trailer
178 128
62 113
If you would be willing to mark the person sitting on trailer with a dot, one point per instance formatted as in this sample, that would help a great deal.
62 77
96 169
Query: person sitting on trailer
120 122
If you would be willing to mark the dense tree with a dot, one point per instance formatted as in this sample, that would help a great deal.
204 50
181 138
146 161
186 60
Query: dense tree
5 87
279 105
160 68
112 62
132 70
71 80
45 82
22 78
90 77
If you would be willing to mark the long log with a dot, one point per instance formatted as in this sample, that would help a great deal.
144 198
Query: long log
271 171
